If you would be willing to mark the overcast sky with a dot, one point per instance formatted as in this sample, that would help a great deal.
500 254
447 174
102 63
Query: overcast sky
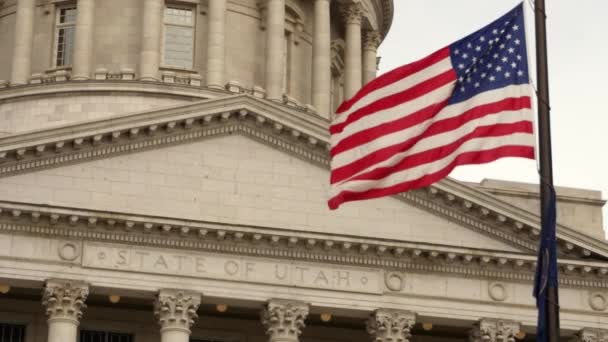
578 53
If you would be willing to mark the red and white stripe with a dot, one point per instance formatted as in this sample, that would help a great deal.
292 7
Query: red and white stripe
398 132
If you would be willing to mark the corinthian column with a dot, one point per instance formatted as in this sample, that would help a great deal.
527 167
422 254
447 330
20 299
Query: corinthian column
321 59
83 45
352 17
371 41
175 311
275 46
494 330
390 325
149 61
216 43
24 36
64 301
284 320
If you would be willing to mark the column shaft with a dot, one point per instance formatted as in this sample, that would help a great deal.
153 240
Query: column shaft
275 49
83 45
216 43
352 16
24 37
321 59
150 45
62 331
370 48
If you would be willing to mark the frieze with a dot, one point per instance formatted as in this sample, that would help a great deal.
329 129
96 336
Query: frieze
222 267
317 248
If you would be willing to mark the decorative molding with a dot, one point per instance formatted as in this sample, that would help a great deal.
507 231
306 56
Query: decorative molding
176 309
591 335
598 301
494 330
396 256
371 40
64 300
498 292
391 325
284 319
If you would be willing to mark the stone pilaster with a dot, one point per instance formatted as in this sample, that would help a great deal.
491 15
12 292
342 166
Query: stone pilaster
24 37
352 14
275 49
284 319
385 325
591 335
216 44
371 41
175 311
149 61
83 45
321 59
64 302
494 330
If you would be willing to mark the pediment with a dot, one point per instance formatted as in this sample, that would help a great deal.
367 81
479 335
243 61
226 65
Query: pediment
297 135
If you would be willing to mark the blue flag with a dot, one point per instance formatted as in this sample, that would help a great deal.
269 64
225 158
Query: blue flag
546 269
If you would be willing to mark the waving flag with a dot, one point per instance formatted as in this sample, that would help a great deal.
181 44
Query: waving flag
468 103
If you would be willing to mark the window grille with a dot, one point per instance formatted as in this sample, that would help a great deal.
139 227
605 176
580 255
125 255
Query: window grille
65 29
12 333
104 336
178 37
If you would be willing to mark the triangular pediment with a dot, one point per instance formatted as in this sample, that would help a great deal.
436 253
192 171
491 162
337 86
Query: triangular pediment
449 213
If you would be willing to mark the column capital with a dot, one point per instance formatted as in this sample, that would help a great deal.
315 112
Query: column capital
371 40
591 335
494 330
284 319
386 325
176 309
352 13
64 300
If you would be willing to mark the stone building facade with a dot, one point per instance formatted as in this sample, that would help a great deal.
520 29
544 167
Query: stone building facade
163 177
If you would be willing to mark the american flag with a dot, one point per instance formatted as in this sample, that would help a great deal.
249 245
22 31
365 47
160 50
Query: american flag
468 103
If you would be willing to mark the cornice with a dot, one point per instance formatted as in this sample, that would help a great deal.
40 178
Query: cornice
391 255
299 133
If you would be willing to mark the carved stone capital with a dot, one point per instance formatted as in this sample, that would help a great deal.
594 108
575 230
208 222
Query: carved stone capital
391 325
494 330
64 300
591 335
176 309
371 40
284 319
352 13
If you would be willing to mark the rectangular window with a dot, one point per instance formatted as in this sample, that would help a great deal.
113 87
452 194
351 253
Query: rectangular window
12 333
178 37
104 336
65 28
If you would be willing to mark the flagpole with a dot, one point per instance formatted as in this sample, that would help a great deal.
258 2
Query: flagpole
546 169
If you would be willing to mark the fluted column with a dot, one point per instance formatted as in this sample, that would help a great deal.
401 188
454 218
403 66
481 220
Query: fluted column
24 37
371 41
83 45
149 61
175 311
275 46
64 302
352 66
494 330
591 335
385 325
321 59
284 320
216 44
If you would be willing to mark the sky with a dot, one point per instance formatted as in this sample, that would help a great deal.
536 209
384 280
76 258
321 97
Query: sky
578 51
